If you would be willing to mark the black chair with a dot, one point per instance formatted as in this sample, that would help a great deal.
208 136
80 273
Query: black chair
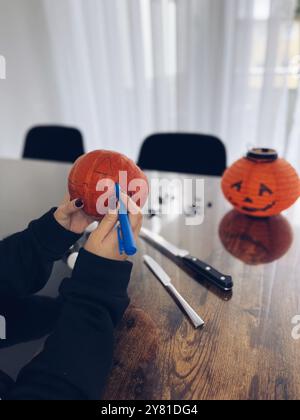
183 153
61 144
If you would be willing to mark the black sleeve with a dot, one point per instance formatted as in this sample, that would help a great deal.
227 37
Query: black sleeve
77 357
26 258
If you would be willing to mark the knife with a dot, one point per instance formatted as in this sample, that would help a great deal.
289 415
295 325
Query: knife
210 274
166 281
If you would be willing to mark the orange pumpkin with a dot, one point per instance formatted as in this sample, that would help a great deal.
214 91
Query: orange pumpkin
261 184
255 240
106 166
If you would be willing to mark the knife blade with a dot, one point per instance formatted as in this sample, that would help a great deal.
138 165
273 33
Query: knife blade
210 274
167 282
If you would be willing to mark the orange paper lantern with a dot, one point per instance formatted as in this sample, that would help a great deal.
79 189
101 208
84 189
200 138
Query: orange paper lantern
261 184
103 167
255 240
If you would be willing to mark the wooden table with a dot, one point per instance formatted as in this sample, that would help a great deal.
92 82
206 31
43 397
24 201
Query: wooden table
246 349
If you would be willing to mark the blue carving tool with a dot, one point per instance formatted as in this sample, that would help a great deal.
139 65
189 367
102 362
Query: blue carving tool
126 239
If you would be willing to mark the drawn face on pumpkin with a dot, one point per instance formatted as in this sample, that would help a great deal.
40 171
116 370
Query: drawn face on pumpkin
261 187
259 197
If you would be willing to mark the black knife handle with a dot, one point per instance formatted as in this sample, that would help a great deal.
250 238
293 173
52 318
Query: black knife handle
209 273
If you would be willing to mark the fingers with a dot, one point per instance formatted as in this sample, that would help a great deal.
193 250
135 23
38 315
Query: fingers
104 240
106 229
107 225
72 207
66 199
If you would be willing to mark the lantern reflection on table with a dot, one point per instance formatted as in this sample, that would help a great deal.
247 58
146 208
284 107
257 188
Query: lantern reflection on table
255 240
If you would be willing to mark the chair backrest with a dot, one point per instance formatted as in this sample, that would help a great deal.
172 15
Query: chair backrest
183 153
54 143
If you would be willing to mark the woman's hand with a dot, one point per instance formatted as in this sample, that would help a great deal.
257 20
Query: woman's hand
71 216
103 242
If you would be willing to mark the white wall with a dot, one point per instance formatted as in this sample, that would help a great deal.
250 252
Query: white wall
28 96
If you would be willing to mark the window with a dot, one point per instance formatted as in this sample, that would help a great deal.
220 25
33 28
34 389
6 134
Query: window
284 55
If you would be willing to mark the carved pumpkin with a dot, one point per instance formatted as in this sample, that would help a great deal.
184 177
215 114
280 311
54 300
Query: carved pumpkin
92 176
255 241
261 184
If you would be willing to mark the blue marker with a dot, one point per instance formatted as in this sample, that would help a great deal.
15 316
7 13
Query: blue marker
127 242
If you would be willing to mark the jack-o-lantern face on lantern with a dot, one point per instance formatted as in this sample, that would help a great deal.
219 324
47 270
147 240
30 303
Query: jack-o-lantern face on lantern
260 199
261 185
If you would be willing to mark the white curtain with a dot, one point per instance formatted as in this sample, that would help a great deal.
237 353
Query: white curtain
293 145
122 69
234 66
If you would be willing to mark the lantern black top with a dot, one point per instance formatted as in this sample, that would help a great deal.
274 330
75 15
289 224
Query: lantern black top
266 155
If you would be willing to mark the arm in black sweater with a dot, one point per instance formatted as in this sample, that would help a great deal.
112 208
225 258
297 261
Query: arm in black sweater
77 357
26 258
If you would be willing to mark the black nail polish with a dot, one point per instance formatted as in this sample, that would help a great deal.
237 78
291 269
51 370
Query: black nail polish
79 203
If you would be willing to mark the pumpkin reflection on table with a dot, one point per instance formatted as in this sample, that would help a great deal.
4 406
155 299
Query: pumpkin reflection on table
255 240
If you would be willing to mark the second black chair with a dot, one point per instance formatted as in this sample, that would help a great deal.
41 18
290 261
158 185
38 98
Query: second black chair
55 143
184 153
